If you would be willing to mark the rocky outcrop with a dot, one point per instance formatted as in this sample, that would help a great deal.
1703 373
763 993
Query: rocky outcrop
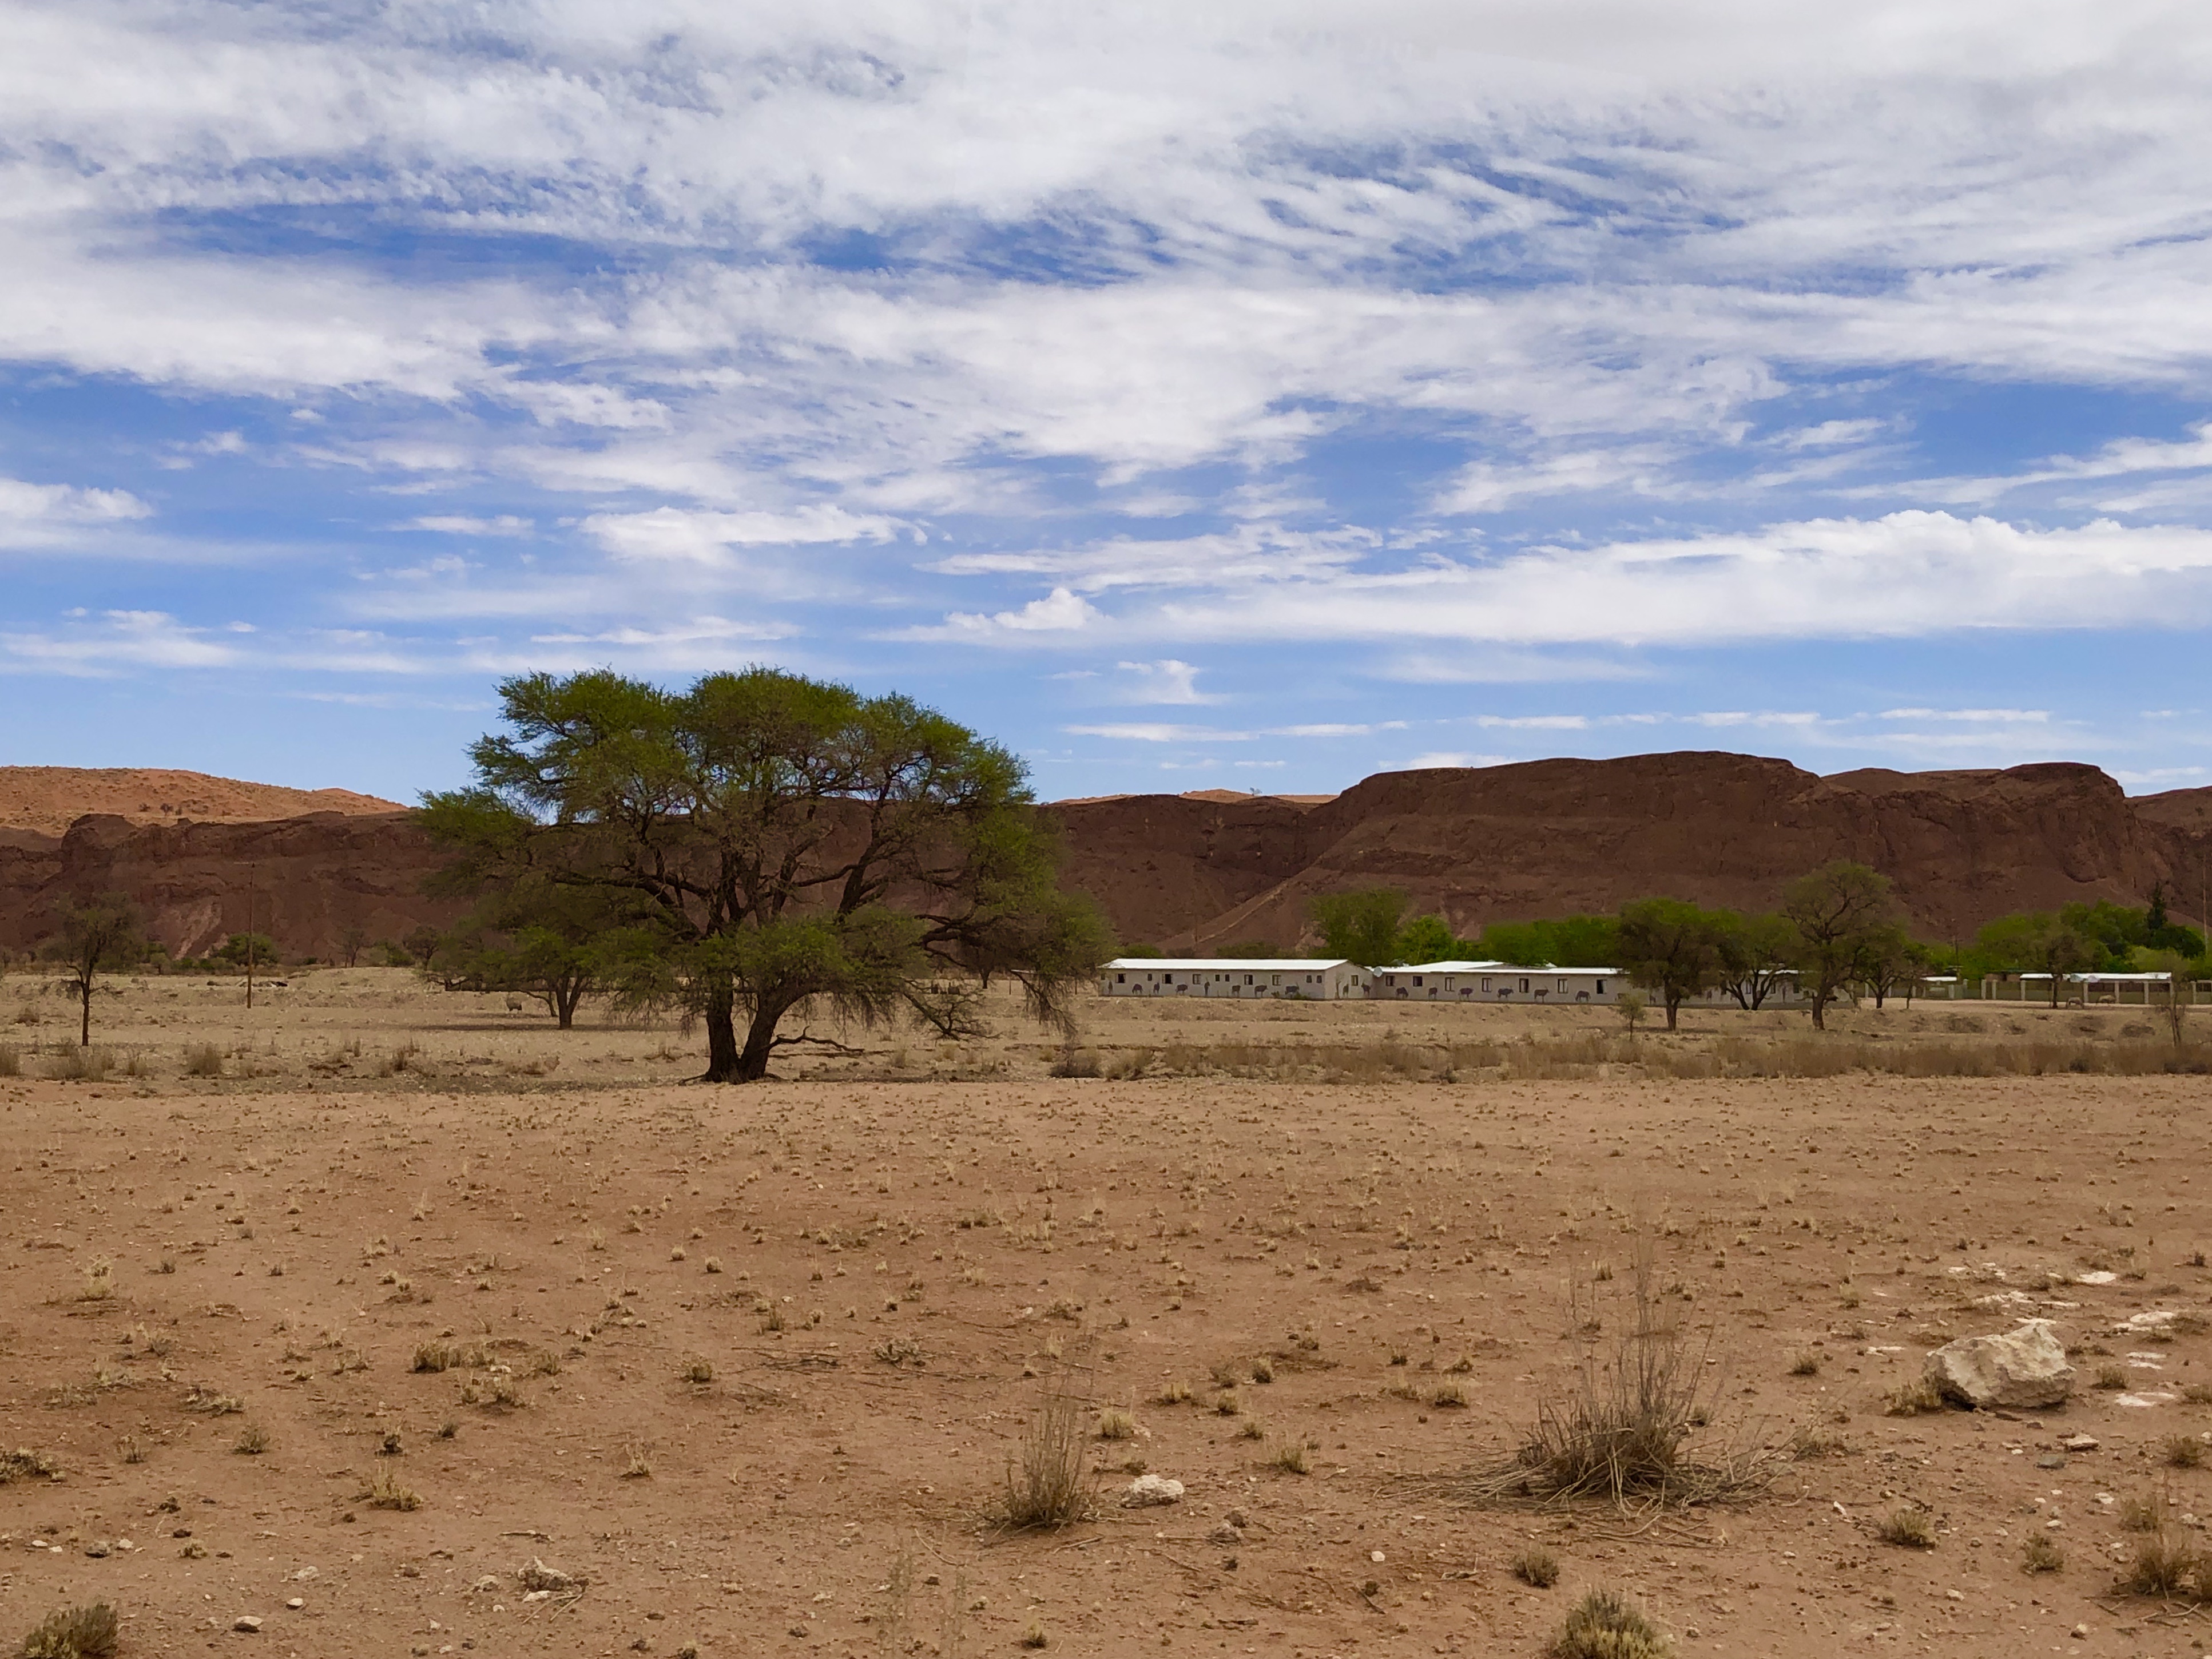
2024 1369
1182 871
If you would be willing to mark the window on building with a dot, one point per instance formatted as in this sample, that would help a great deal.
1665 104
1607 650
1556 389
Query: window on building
1563 985
1120 979
1524 984
1486 982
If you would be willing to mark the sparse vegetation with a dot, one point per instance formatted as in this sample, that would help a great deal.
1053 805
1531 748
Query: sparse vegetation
2184 1451
385 1493
1536 1567
1907 1527
1114 1423
252 1441
2040 1554
87 1632
24 1464
1045 1485
1606 1625
204 1060
2163 1566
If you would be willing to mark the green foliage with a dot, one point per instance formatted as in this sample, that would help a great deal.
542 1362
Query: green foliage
243 950
2039 942
1424 938
1360 926
1569 941
1756 953
560 944
1671 947
785 842
101 936
1834 911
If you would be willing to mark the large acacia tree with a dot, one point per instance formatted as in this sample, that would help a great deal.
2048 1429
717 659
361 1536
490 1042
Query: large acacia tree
786 843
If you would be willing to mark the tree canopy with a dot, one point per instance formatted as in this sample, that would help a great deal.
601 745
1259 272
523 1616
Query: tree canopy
787 842
1671 947
98 935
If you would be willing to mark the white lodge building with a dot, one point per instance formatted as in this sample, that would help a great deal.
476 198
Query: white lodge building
1329 980
1496 982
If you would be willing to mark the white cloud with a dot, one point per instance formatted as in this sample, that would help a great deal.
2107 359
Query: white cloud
114 642
34 515
1438 759
1059 612
1167 681
461 524
1978 716
673 534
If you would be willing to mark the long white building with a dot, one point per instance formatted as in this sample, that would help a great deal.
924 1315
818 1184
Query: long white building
1330 979
1495 981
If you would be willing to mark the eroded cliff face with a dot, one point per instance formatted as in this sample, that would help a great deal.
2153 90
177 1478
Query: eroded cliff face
1549 837
304 881
1479 845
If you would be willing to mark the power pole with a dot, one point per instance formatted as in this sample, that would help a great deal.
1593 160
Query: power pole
252 872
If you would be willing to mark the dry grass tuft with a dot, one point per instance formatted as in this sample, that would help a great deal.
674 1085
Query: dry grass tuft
2164 1567
2184 1451
2111 1378
1114 1423
2041 1555
1046 1486
24 1464
1291 1458
204 1060
1536 1567
252 1441
697 1368
1625 1430
1807 1364
90 1632
1908 1529
1914 1398
1606 1625
385 1493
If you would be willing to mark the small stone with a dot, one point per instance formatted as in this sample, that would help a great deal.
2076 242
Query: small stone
296 1602
1224 1534
247 1623
2079 1442
2050 1460
2080 1632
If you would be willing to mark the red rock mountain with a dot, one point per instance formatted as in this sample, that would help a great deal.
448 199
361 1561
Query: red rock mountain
1486 844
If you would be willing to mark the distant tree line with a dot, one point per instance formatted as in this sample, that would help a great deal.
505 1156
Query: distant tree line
1837 929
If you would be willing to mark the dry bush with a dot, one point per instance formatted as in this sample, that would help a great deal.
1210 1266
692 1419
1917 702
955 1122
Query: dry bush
385 1493
1537 1568
11 1060
76 1633
24 1464
1078 1062
1114 1423
1807 1364
1623 1431
252 1441
1807 1445
1046 1486
2111 1378
2041 1555
2184 1451
1912 1399
697 1368
1908 1529
80 1065
1130 1066
204 1060
1606 1625
1291 1458
439 1355
2164 1566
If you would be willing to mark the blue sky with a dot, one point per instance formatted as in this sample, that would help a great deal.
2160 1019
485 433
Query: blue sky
1251 396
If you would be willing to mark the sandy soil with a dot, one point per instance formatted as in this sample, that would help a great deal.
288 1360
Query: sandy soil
938 1253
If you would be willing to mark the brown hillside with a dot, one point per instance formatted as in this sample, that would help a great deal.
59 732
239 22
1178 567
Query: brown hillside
47 800
1482 845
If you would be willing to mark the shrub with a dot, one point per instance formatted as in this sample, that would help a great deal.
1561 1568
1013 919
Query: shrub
1291 1458
2184 1451
11 1060
252 1441
1536 1567
1606 1625
385 1493
204 1060
2041 1555
2162 1566
1046 1486
1114 1423
1908 1529
77 1633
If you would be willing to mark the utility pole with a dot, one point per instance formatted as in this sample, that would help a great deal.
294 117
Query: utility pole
252 872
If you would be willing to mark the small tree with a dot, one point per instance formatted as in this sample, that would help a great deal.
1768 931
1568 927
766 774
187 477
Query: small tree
351 939
1670 947
2180 989
1756 955
100 937
1360 926
1425 939
1889 960
1834 909
1630 1005
2039 942
558 944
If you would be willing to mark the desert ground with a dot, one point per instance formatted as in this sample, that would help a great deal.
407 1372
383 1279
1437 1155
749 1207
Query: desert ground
748 1364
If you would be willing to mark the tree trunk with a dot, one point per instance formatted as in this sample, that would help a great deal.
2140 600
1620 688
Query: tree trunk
760 1042
567 994
1673 1002
1820 1010
84 1029
721 1038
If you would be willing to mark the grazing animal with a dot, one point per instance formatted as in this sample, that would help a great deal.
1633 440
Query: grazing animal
515 1005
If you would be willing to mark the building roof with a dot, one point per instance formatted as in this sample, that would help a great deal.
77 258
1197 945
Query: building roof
1232 964
1492 967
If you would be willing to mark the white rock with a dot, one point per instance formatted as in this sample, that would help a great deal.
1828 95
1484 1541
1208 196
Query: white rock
249 1624
1148 1491
2024 1367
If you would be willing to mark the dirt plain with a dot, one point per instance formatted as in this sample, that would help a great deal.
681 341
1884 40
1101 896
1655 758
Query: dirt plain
751 1363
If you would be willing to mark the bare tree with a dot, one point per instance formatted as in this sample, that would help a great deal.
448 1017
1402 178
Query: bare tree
100 937
351 939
